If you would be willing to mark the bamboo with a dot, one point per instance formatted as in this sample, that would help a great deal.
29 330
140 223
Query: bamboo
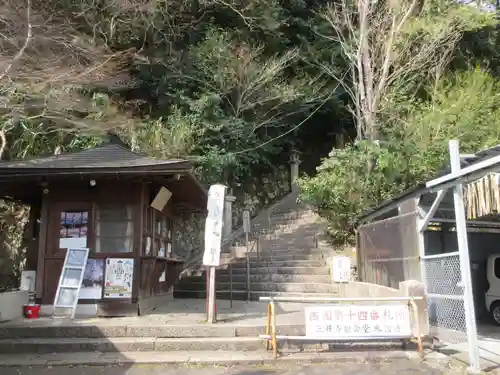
474 201
469 201
497 191
481 198
487 194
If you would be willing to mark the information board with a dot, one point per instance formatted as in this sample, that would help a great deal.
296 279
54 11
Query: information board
118 278
246 221
339 321
341 269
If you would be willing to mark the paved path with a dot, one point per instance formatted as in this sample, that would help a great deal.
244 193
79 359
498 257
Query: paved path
185 312
393 367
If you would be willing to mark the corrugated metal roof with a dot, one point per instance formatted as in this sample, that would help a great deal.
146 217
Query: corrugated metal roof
105 156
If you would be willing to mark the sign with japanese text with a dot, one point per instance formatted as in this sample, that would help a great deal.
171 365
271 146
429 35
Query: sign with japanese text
118 278
341 269
357 321
213 225
246 221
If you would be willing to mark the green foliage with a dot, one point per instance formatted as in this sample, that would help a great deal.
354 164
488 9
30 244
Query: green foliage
462 106
342 190
233 86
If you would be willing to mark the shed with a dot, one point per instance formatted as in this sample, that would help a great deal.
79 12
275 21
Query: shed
101 198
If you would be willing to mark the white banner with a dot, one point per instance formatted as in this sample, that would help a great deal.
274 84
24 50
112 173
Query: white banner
213 225
357 321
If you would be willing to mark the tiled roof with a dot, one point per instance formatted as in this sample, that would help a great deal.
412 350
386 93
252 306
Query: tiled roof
106 156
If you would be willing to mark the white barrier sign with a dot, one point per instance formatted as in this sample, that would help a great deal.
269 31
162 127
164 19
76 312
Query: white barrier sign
357 321
213 225
341 269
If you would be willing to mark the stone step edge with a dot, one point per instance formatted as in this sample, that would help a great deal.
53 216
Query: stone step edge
160 344
250 339
197 357
262 292
225 284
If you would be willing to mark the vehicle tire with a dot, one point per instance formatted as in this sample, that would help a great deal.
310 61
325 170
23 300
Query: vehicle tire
495 312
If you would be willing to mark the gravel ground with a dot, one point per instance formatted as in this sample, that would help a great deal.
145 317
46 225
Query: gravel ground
393 367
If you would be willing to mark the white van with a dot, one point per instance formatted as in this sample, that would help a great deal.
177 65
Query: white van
493 292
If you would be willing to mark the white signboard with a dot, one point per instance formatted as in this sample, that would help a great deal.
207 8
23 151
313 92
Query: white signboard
357 321
246 221
341 269
213 225
70 280
118 278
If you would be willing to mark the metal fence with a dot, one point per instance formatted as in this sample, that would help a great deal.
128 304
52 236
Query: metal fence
446 297
388 252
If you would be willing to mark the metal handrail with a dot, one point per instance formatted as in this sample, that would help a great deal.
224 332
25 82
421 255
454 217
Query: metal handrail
256 242
238 233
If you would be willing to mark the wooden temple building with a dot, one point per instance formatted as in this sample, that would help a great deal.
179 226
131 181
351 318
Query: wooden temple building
103 199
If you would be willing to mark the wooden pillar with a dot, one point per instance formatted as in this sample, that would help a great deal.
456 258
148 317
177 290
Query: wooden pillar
42 244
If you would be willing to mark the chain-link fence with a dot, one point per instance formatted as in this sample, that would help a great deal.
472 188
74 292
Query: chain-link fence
388 252
445 294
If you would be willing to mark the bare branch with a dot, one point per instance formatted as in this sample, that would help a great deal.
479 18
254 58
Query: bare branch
20 53
388 44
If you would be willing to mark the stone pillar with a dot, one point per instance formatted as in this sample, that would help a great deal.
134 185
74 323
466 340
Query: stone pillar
414 288
294 169
228 215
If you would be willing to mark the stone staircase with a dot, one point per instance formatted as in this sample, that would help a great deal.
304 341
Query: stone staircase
285 259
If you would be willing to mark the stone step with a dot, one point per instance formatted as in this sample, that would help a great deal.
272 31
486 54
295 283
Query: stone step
259 269
326 252
42 346
284 256
127 344
283 264
242 278
190 293
255 295
201 285
62 330
287 239
242 295
278 270
277 225
301 287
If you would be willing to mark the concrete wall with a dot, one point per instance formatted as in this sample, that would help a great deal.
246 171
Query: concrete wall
11 305
359 289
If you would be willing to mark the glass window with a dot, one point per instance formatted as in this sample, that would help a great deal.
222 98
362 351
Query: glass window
496 267
73 229
114 229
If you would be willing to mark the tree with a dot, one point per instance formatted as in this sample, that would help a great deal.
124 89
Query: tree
406 101
49 71
393 45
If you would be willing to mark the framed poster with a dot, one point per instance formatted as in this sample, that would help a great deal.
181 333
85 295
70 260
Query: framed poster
119 278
